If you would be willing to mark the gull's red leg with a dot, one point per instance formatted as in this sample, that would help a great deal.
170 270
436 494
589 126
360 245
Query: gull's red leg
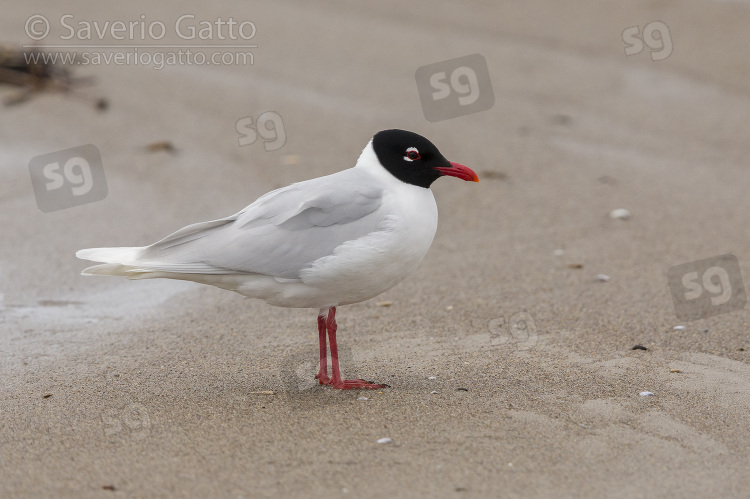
322 376
336 381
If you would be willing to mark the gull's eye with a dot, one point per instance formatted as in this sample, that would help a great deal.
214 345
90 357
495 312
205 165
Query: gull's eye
412 154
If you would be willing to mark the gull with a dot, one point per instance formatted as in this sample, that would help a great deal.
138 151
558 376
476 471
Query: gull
322 243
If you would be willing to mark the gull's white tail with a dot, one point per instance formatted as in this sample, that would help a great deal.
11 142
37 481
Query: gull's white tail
115 261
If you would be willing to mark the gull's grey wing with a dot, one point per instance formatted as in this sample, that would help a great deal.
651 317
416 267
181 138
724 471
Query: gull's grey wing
278 235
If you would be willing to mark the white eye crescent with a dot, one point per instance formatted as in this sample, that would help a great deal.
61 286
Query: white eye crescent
412 154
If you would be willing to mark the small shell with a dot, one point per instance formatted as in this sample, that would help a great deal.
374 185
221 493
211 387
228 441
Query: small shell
619 214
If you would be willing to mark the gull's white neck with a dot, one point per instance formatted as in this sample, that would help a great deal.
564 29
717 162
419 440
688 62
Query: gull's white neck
368 161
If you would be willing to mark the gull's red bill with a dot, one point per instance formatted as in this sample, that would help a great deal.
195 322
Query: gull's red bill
459 171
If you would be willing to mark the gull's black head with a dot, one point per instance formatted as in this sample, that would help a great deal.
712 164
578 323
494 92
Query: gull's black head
415 160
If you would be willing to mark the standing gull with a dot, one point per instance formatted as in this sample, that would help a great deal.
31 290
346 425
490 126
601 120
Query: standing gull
329 241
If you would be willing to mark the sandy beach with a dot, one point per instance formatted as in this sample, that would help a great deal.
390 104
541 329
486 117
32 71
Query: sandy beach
510 352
